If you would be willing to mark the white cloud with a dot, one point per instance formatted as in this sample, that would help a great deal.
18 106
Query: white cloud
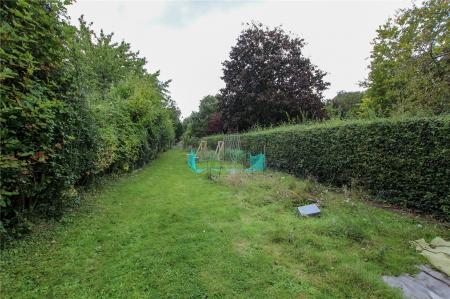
188 45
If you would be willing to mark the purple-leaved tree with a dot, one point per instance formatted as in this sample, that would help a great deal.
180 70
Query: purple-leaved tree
269 81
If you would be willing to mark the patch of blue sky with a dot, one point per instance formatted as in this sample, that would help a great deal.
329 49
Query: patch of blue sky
181 13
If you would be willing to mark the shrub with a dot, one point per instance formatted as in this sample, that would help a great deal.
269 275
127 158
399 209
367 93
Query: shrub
401 161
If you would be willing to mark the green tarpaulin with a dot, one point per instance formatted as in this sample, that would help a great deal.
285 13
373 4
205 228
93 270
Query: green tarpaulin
437 252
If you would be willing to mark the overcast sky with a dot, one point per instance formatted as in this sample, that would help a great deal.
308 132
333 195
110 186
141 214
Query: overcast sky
188 40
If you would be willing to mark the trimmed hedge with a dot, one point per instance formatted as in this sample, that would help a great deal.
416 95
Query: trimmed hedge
402 161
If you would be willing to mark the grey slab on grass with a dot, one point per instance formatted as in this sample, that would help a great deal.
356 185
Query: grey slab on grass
309 210
428 284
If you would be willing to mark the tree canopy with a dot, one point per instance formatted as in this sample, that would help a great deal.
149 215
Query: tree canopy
345 104
410 63
207 120
268 80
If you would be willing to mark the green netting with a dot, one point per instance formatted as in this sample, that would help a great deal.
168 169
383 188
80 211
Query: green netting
235 155
257 163
192 164
229 157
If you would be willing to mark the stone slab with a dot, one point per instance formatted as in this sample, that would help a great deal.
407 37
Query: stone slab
309 210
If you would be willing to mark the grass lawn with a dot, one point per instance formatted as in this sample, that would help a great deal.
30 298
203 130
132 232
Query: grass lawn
166 232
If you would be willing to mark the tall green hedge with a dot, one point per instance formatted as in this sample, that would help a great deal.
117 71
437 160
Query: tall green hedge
402 161
74 106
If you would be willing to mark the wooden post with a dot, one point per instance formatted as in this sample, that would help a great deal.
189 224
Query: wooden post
219 150
202 149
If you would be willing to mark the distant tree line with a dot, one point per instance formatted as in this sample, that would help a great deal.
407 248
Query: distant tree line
268 81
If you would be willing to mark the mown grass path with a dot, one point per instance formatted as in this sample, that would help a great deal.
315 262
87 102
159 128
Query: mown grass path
164 232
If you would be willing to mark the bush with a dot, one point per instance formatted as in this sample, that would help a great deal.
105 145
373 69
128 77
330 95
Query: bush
401 161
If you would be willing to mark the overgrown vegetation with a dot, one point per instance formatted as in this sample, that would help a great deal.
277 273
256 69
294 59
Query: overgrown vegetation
239 237
75 105
402 161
